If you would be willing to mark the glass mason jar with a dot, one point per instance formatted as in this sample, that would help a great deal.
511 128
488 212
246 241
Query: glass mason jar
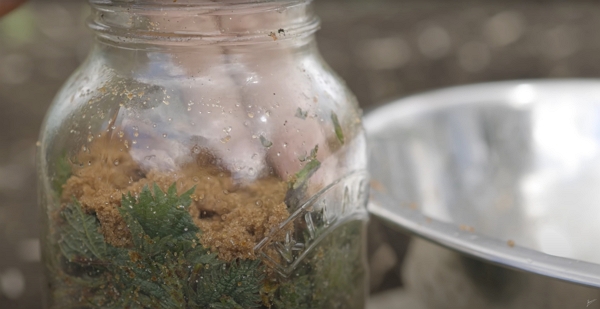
204 156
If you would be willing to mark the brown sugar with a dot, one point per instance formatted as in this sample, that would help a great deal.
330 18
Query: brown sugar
511 243
104 172
233 217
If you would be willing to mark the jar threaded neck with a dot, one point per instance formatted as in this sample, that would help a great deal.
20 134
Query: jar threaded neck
182 22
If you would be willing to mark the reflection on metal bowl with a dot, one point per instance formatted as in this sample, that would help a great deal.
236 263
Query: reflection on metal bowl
507 173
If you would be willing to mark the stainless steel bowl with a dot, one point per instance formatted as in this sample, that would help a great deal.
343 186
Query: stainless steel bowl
508 173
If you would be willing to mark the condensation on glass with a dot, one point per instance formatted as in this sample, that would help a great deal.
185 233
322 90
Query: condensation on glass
203 156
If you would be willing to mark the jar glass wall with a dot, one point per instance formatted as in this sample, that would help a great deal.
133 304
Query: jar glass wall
204 156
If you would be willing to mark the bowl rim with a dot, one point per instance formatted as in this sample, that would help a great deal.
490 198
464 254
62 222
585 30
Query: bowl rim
502 252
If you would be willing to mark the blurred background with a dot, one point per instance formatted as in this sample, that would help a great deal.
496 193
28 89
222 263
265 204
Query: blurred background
383 49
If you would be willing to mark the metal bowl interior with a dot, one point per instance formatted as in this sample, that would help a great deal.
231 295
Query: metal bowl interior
508 172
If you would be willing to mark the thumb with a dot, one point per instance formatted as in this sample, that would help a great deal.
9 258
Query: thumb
9 5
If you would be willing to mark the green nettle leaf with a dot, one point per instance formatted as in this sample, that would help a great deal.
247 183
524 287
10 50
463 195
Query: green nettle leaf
265 142
314 151
135 229
81 239
338 128
173 271
298 185
336 276
301 114
162 214
200 257
165 268
296 293
230 286
63 171
305 173
157 285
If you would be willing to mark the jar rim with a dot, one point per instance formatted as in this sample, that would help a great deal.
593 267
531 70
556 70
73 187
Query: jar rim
113 20
195 3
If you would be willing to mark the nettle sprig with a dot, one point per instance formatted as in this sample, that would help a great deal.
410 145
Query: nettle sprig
166 267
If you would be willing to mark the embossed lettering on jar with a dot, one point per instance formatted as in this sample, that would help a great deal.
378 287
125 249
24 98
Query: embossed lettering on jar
204 156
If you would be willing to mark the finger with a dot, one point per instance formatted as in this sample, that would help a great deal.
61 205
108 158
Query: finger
9 5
